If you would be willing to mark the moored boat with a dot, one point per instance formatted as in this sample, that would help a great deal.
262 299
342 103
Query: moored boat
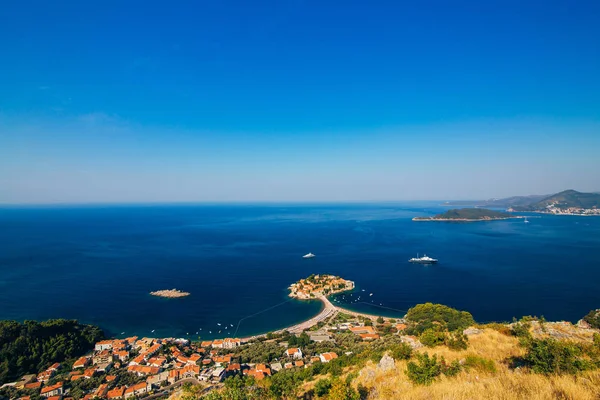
423 260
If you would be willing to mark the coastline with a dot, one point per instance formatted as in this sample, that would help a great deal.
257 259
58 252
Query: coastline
328 310
431 219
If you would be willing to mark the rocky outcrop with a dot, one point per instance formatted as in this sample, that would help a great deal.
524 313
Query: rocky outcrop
386 363
472 331
170 293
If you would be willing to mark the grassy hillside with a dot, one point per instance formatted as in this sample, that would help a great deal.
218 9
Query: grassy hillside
490 375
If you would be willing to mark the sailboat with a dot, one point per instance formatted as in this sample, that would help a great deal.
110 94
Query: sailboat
526 221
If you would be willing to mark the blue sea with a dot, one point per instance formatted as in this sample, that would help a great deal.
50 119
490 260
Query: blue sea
98 264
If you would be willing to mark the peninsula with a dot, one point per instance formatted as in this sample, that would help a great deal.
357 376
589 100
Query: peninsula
316 286
170 293
468 215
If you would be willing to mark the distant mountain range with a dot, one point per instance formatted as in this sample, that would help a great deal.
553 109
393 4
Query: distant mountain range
562 200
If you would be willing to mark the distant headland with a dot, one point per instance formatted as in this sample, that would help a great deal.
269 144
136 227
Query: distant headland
567 202
170 293
468 215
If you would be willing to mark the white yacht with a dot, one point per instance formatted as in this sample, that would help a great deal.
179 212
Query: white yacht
309 255
423 260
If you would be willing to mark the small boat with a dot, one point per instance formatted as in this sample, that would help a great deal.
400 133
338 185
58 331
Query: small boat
526 220
153 330
363 290
209 331
370 294
231 325
122 333
309 255
218 324
423 260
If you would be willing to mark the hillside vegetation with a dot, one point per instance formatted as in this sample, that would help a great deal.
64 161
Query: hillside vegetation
450 357
474 214
29 347
567 199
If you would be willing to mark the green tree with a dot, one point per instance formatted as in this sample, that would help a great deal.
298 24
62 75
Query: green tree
425 316
380 320
341 390
31 346
322 387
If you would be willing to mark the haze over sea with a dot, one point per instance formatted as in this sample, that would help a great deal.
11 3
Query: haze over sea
99 263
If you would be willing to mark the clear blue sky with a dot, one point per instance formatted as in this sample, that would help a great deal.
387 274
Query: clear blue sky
121 101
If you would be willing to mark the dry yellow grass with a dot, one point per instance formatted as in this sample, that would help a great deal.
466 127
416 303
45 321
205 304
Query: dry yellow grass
504 384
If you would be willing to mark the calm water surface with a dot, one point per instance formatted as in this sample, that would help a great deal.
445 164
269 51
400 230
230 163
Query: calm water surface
98 264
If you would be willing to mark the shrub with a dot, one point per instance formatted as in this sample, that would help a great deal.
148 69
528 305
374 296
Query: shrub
451 369
432 337
521 330
593 318
457 341
480 363
550 356
401 351
322 387
425 370
425 316
380 320
341 390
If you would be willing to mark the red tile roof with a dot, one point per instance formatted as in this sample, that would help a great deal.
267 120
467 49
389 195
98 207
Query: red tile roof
116 392
48 389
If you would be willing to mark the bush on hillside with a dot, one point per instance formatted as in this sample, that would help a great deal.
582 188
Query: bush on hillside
551 356
341 390
457 341
322 387
401 351
521 329
432 337
593 318
425 370
428 315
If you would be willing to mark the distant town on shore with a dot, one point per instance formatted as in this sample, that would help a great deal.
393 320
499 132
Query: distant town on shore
567 202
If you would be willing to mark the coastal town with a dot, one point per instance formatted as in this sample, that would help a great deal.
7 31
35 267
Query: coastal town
334 340
136 367
150 367
556 209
